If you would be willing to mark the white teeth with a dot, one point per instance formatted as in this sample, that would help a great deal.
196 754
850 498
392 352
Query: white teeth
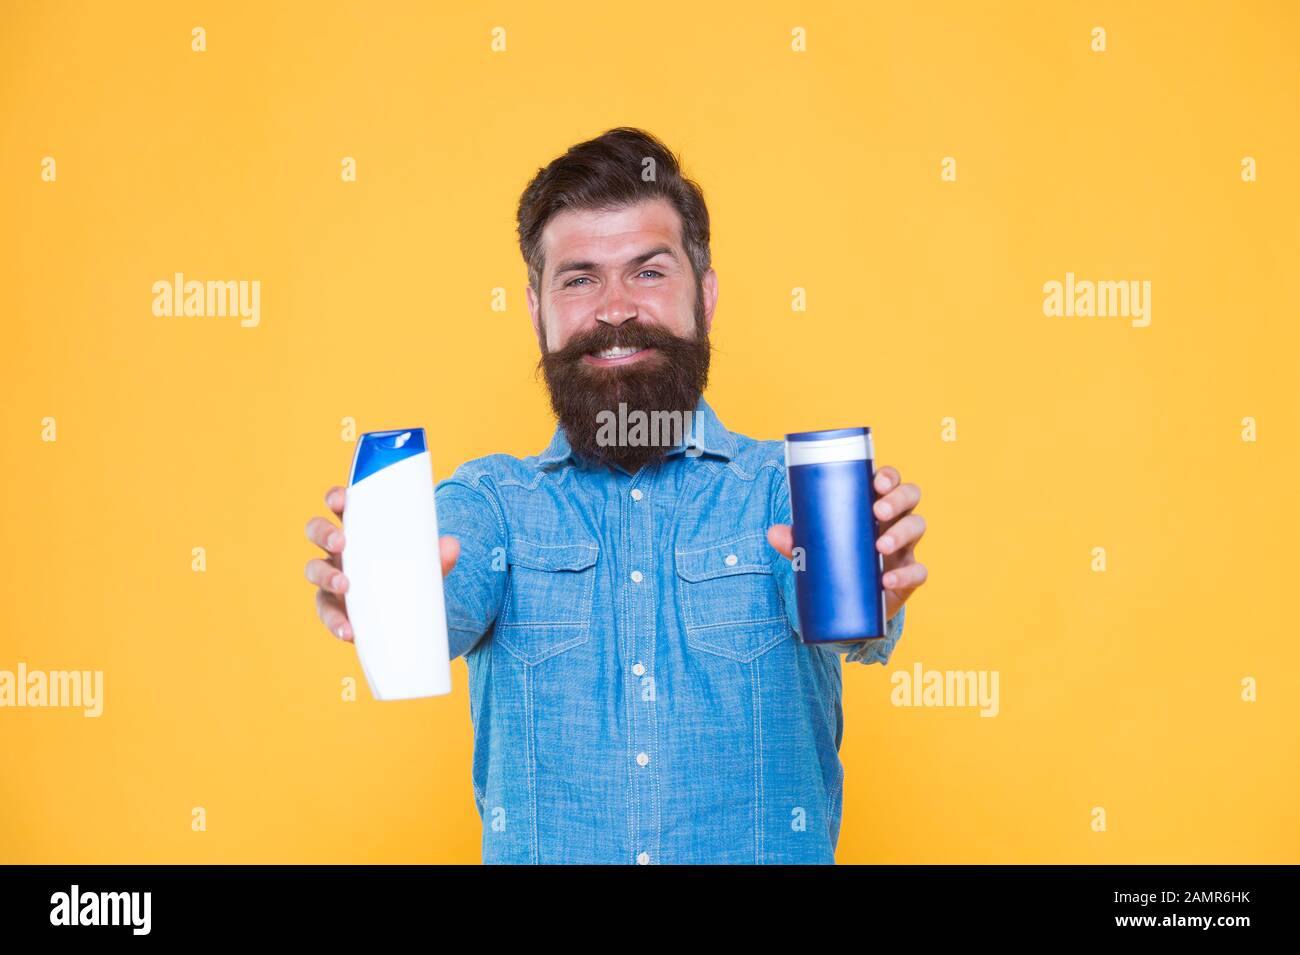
617 352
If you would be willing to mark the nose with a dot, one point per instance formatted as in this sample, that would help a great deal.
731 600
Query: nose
616 308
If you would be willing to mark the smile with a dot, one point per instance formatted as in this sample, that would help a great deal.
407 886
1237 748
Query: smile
616 356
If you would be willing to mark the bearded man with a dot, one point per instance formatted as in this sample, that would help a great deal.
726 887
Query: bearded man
639 689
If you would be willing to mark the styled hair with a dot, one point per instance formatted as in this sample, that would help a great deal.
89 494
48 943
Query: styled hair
607 173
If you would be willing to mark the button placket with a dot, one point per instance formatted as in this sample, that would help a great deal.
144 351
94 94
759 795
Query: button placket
639 526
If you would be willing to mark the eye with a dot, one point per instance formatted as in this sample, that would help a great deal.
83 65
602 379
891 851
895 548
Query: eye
578 279
652 272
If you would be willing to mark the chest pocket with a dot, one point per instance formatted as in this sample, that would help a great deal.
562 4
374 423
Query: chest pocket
730 602
548 598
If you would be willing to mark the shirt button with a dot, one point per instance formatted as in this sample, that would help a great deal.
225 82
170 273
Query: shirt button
643 859
642 759
636 494
638 668
730 560
637 577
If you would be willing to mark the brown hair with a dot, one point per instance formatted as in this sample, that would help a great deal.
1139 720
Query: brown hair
607 173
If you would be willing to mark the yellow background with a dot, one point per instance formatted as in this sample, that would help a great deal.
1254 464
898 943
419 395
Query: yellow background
1119 689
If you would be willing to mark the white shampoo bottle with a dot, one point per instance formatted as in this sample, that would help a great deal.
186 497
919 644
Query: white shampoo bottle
390 556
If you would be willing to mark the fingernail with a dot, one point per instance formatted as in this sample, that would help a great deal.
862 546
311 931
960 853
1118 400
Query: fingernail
339 583
882 481
887 542
333 542
883 509
890 580
342 632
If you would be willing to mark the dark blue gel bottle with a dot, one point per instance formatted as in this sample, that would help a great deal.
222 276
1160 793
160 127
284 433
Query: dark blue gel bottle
838 589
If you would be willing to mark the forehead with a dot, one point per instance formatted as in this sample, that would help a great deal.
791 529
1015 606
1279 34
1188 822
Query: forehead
609 234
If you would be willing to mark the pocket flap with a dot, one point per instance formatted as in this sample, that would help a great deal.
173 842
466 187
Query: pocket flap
746 554
556 556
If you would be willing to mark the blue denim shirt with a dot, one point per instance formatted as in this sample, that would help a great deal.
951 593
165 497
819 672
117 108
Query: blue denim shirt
638 688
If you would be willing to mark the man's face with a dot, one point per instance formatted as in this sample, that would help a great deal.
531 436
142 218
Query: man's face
620 318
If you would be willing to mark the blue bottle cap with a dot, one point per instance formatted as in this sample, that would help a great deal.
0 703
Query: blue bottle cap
377 450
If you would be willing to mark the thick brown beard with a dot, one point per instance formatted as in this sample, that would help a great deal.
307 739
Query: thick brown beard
671 381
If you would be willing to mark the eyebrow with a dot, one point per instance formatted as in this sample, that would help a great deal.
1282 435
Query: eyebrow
575 266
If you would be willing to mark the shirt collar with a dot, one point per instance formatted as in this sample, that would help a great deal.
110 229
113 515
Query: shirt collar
706 435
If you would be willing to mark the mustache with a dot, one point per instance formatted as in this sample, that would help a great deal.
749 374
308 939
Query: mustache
628 335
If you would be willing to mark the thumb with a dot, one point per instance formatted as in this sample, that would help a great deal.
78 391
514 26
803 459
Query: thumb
449 551
781 537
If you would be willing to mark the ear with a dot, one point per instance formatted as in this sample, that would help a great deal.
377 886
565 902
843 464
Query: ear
534 313
710 284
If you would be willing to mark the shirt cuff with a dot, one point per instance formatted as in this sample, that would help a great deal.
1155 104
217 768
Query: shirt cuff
879 651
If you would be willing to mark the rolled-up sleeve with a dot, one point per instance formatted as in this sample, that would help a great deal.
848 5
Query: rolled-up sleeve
879 651
474 589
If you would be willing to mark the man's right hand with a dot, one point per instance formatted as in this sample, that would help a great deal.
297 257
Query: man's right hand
325 572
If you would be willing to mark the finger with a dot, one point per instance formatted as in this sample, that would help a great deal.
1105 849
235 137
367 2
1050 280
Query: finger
886 479
448 552
904 532
898 501
333 615
324 534
781 536
325 575
905 579
335 498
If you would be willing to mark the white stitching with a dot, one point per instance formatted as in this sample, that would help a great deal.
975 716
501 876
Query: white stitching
760 825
